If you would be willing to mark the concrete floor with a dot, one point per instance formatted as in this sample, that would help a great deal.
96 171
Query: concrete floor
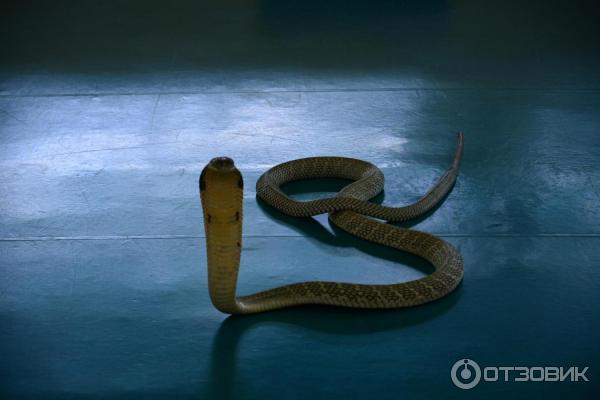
109 110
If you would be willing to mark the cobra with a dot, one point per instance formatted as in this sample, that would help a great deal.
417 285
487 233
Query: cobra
221 192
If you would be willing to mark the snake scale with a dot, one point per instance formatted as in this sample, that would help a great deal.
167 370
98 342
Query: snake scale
221 192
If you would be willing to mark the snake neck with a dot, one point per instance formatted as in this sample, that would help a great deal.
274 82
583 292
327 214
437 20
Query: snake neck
221 192
224 242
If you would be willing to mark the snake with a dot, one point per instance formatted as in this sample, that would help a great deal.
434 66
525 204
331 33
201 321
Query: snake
221 194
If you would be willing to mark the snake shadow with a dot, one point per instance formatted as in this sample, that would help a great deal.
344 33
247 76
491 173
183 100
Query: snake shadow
328 320
227 351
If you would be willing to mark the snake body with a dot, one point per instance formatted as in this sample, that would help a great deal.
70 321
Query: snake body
221 191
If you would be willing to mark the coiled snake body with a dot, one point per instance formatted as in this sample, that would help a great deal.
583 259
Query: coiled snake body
221 190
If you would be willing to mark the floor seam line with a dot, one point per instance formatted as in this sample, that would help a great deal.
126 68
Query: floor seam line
170 237
267 91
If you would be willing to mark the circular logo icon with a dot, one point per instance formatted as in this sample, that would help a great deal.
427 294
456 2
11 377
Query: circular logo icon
465 373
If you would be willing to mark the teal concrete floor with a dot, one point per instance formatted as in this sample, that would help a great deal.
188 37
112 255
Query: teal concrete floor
109 110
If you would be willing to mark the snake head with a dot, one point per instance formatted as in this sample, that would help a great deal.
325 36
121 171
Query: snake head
222 163
221 169
221 191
